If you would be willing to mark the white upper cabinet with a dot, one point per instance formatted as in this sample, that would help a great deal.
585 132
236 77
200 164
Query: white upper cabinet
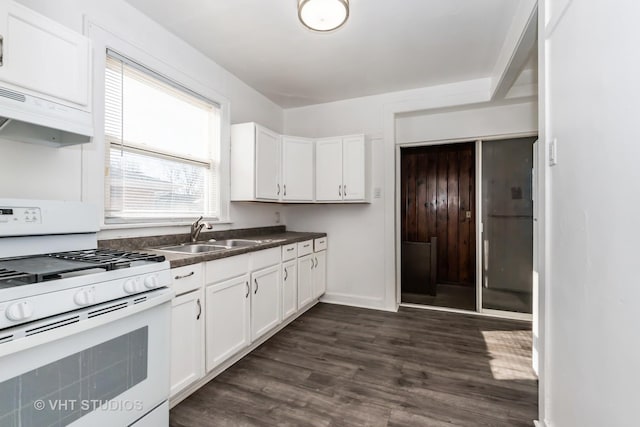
268 185
329 169
255 163
43 58
342 169
297 169
272 168
354 171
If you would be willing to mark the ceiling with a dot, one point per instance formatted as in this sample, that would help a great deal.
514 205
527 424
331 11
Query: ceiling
385 46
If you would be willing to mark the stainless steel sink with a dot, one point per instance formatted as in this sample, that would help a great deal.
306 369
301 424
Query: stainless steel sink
194 248
235 243
242 243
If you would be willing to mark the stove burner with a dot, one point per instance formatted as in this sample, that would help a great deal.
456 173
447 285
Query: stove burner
42 268
107 258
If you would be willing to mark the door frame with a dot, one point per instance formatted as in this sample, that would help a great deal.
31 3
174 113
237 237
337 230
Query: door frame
478 228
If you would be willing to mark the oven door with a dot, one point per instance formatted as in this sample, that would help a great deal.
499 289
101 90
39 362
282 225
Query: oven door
102 366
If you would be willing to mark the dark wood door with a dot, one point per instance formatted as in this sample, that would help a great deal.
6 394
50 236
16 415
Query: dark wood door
438 200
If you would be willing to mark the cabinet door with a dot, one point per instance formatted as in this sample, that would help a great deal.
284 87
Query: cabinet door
329 169
43 57
187 340
297 169
319 274
265 301
305 280
289 288
227 319
267 164
353 168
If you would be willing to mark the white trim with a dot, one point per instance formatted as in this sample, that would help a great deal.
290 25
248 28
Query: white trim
355 301
93 155
493 314
508 314
479 224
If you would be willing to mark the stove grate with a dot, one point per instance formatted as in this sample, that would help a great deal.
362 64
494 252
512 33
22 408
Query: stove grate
109 259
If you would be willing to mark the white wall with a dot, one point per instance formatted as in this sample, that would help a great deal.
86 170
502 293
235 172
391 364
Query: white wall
593 105
33 171
359 251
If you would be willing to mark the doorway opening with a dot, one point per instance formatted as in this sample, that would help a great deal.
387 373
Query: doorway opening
466 212
438 225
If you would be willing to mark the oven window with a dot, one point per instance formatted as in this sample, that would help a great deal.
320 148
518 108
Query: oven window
60 392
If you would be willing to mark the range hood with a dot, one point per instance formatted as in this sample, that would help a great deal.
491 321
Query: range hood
28 118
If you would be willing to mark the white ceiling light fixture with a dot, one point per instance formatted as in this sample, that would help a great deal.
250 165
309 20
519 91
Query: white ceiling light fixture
323 15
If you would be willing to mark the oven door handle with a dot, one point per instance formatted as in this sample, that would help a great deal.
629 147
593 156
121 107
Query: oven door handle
153 299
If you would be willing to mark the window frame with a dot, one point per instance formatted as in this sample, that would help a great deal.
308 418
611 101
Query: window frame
200 80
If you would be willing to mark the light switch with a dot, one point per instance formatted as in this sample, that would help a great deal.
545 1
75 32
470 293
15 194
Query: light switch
377 193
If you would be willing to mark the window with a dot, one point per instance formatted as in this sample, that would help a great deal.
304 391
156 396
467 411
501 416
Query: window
163 147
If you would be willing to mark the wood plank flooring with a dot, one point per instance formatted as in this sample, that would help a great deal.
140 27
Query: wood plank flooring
345 366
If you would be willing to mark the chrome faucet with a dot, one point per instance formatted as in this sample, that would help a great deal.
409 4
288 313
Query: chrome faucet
197 227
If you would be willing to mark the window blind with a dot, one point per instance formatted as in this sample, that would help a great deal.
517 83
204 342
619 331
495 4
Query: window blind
162 151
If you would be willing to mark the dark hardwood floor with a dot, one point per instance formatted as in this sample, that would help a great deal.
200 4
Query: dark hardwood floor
344 366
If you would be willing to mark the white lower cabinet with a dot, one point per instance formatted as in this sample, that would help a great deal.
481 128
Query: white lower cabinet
224 306
289 288
265 301
305 280
228 315
319 273
187 340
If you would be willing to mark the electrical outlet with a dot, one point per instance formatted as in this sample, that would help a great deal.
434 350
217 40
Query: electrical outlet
377 193
553 152
277 217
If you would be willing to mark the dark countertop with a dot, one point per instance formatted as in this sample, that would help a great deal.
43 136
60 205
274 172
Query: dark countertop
180 259
149 244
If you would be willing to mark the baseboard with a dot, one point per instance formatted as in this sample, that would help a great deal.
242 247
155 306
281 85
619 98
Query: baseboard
537 423
355 301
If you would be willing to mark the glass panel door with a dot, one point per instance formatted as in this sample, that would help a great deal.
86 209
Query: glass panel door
507 217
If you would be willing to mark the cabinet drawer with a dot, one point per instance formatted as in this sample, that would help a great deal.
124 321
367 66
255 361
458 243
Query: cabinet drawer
289 252
226 268
265 258
320 244
187 278
305 248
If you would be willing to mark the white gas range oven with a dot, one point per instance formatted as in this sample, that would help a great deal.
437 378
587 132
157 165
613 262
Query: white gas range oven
83 331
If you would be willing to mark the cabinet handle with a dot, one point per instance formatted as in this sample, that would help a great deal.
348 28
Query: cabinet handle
286 274
290 249
311 263
278 193
256 282
316 262
184 276
285 189
344 190
1 51
199 309
340 190
247 283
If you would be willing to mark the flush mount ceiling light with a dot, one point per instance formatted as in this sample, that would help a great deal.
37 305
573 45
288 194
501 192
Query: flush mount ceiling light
323 15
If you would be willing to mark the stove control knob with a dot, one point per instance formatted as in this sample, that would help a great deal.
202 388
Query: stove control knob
85 297
151 282
19 311
131 286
